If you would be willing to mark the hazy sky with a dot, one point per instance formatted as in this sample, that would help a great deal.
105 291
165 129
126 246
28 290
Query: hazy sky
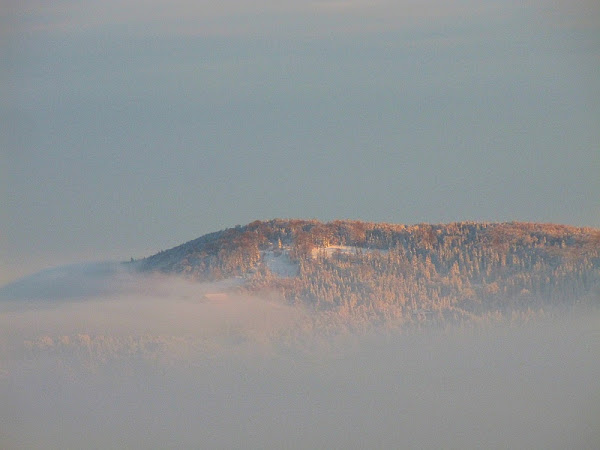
132 126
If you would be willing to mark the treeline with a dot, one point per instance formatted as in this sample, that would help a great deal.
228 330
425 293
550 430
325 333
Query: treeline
456 271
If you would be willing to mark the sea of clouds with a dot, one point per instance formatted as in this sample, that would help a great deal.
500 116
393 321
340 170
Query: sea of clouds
98 356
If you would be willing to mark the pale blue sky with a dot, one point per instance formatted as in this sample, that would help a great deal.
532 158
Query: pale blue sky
132 126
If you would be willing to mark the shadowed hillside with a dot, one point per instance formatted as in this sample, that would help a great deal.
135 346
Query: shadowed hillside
419 273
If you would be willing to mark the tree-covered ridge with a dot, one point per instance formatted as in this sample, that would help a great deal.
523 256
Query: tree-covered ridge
417 272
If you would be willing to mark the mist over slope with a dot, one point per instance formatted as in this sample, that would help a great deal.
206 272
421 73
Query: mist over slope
158 361
368 271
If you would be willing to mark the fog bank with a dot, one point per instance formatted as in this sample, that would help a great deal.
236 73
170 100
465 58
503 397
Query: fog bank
158 362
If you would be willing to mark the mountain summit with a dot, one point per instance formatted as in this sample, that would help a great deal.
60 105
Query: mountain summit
457 271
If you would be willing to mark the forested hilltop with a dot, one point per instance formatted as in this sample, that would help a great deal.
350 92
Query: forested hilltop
447 272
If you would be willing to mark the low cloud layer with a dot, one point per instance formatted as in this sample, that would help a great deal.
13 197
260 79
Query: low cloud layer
110 300
130 361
